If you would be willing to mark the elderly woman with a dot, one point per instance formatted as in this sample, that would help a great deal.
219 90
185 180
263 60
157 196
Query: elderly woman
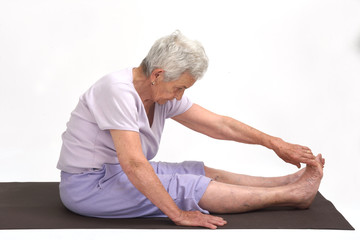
116 129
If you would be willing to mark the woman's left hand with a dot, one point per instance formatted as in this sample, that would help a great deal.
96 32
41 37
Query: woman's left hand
293 153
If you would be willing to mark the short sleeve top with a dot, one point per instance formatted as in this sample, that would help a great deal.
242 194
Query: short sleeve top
112 103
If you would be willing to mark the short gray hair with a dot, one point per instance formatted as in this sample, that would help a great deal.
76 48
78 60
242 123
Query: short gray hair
176 54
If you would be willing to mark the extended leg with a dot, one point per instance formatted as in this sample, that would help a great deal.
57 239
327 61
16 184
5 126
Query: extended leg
228 198
246 180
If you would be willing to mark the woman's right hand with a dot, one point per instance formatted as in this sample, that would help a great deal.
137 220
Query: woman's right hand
198 219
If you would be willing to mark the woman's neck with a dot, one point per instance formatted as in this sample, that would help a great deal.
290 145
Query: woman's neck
143 87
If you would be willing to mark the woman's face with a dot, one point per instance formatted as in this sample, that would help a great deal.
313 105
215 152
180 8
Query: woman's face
165 91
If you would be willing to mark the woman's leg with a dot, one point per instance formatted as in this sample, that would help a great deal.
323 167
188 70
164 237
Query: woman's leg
228 198
251 181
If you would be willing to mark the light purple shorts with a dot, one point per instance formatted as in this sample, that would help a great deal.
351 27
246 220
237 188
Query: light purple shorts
107 192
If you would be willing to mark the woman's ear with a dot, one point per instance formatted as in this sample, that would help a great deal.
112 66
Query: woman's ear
157 74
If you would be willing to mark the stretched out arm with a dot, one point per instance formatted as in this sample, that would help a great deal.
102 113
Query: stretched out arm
143 177
226 128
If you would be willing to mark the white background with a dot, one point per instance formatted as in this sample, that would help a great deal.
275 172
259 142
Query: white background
288 68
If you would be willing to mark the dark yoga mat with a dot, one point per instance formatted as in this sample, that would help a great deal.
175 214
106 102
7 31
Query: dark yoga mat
37 205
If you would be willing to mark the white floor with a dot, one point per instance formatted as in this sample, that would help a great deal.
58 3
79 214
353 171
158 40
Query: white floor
178 234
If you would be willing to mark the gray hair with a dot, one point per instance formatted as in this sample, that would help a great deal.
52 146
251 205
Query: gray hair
176 54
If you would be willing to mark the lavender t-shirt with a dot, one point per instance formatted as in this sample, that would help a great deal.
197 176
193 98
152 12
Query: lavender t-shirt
111 103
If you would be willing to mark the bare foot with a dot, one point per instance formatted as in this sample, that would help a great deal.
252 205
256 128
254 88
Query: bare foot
292 178
307 186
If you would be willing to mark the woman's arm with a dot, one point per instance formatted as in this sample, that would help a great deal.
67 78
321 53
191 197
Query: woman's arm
143 177
221 127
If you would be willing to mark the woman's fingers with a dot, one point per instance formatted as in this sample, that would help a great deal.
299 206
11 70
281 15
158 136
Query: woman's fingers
296 154
308 161
217 220
302 154
212 221
195 218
